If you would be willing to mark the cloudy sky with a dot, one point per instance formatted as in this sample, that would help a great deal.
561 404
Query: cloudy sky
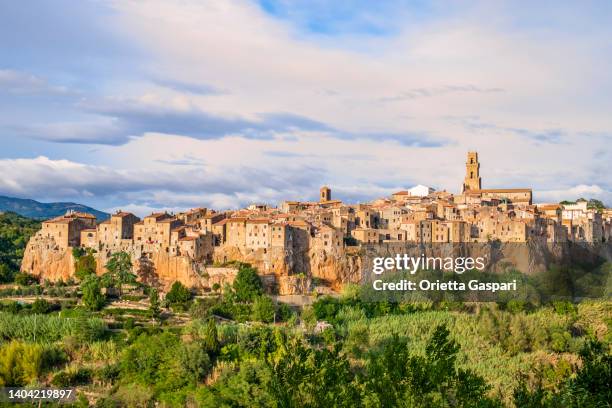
144 105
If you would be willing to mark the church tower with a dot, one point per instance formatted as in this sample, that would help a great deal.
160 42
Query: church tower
325 194
472 173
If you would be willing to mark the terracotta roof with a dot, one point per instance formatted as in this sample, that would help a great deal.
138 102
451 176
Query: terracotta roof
401 193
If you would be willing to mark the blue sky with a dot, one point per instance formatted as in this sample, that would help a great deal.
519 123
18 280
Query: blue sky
163 104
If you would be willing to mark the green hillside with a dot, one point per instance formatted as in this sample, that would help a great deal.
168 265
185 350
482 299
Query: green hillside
15 231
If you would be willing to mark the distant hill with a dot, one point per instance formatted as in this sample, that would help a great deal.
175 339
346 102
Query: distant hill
38 210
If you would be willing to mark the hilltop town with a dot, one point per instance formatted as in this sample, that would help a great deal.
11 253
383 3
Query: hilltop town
300 240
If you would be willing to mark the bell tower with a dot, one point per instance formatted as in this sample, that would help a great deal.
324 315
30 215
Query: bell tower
325 194
472 173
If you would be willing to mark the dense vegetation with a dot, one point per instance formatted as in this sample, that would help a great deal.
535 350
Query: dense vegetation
179 352
121 343
15 231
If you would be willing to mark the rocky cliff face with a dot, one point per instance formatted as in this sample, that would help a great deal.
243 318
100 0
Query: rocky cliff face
45 259
299 270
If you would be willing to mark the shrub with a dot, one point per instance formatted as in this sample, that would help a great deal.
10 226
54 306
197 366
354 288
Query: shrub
93 298
20 363
178 294
129 323
84 264
247 286
71 377
25 279
284 312
263 309
40 306
154 309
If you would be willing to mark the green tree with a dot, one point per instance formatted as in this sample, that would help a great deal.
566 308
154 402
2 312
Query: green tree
92 294
263 310
40 306
595 204
119 268
589 387
306 377
154 309
25 279
179 295
194 361
396 378
6 274
84 263
247 285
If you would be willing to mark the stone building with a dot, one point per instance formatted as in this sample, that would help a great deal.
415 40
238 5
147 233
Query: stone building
66 230
365 235
258 235
236 232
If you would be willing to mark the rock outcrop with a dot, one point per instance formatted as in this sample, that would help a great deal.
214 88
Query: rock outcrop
45 259
300 270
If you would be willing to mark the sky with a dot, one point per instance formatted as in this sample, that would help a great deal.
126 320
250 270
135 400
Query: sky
168 105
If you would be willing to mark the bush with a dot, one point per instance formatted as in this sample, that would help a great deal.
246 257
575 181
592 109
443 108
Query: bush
247 286
84 263
129 323
25 279
178 294
93 298
284 312
263 309
72 377
40 306
20 363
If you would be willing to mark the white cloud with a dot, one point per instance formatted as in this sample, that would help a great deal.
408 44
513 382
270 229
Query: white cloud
534 101
576 192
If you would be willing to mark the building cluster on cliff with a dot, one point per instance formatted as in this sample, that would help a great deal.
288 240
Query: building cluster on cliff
419 215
